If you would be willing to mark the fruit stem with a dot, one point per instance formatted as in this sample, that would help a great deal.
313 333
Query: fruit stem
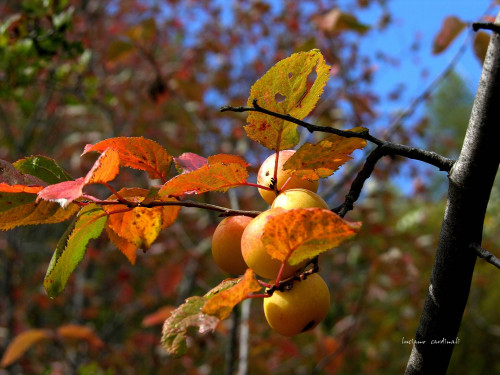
264 284
278 278
286 183
260 295
257 186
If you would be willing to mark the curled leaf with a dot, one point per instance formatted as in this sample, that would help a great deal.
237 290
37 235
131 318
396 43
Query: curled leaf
222 303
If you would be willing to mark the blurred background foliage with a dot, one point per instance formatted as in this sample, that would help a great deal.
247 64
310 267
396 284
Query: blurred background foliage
77 72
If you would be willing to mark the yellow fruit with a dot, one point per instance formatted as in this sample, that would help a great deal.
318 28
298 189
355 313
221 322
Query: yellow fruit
256 256
298 198
226 244
300 309
266 174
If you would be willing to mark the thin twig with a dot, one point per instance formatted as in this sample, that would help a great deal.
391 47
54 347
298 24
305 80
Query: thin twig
428 157
224 210
486 255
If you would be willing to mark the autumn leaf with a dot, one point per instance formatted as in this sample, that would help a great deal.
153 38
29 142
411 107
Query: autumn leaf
450 29
222 303
71 248
221 173
292 86
18 207
140 226
188 162
314 161
79 332
138 153
481 42
42 167
303 233
22 343
176 327
335 21
10 175
105 169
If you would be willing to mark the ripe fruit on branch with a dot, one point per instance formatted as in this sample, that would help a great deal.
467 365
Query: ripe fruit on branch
300 309
266 174
226 244
256 256
298 198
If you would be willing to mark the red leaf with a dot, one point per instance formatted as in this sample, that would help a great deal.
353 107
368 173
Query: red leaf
189 162
138 153
104 169
481 42
64 192
451 27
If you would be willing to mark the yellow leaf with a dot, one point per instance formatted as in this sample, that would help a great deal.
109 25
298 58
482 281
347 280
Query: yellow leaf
292 86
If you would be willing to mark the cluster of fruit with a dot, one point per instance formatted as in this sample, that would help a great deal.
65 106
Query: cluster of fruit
237 245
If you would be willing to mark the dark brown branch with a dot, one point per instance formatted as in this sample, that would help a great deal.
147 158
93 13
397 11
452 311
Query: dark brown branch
486 255
357 185
428 157
207 206
476 26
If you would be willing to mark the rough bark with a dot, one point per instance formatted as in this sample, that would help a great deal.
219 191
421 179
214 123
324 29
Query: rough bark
470 183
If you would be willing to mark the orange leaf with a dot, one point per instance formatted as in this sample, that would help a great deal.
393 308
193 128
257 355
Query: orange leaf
302 233
18 189
78 332
222 303
138 153
105 168
139 226
481 42
221 173
128 249
158 317
450 28
324 158
292 86
22 343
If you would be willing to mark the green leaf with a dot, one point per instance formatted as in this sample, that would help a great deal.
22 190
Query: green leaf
292 86
72 246
176 327
46 169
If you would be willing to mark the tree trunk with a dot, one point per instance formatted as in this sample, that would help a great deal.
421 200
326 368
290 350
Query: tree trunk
470 182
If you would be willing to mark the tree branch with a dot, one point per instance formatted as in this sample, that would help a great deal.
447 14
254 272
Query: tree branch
471 180
486 255
476 26
188 203
428 157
